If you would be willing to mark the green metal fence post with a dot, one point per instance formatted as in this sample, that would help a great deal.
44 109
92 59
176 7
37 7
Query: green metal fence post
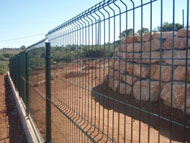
21 76
18 84
48 93
24 75
16 72
27 85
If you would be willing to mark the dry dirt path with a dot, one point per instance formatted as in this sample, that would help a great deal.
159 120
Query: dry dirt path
11 130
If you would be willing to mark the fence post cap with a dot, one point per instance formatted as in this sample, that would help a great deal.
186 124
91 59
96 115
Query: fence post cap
46 41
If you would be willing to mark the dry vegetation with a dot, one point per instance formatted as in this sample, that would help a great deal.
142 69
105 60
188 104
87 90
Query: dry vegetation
5 55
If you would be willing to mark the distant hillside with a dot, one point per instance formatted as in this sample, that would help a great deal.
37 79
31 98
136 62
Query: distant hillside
5 55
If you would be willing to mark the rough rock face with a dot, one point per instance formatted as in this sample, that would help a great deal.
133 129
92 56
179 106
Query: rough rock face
113 84
145 37
137 70
165 73
179 57
153 45
181 74
129 39
136 47
121 68
144 94
129 79
178 96
165 35
159 61
125 88
183 33
179 43
155 57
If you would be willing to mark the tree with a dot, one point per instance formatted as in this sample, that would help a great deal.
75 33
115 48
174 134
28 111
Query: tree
7 55
23 47
169 27
126 33
155 30
143 30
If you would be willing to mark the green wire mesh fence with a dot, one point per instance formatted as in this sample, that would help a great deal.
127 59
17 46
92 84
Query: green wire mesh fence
117 72
37 94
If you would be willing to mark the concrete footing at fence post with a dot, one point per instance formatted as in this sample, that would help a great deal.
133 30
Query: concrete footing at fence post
31 132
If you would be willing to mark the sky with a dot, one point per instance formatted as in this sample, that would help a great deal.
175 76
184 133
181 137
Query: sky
24 22
34 18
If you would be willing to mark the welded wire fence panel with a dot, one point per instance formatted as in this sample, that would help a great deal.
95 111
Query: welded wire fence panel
17 73
22 82
120 73
37 90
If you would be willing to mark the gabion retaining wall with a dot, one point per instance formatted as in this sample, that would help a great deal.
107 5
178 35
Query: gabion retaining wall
134 69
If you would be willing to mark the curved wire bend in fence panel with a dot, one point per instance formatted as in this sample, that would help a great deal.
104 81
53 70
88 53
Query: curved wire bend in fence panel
119 73
108 46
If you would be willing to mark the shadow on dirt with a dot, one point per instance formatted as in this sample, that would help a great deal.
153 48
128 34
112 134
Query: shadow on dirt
16 133
74 75
102 92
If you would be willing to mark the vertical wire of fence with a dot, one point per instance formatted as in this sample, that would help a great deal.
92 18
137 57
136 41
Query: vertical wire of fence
118 72
36 56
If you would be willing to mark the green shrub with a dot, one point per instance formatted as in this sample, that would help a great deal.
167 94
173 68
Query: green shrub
7 55
2 69
71 52
2 58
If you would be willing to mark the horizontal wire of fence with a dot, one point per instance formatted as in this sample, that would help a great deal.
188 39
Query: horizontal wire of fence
117 72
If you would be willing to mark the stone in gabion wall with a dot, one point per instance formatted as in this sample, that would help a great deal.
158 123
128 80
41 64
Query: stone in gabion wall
135 68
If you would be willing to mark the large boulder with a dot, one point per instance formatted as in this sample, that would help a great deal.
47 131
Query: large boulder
179 43
113 84
178 96
180 74
155 57
131 47
165 35
145 37
129 79
141 90
165 73
124 89
137 70
183 32
155 45
179 57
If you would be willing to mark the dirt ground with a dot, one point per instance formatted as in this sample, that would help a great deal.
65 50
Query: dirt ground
11 130
83 107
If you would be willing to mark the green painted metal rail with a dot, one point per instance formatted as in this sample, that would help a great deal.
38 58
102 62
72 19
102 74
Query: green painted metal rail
117 72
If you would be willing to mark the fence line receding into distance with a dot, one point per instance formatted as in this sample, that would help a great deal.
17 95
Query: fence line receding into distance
117 72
